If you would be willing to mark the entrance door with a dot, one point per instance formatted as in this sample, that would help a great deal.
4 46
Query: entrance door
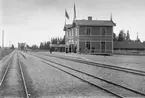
69 49
102 47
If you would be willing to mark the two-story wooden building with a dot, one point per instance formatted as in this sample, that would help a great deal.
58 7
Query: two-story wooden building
90 36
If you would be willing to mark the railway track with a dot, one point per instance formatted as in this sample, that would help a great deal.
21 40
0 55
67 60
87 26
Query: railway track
6 70
23 78
113 88
22 55
6 76
122 69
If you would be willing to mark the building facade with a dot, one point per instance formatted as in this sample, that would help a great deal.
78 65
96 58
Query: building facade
22 46
90 36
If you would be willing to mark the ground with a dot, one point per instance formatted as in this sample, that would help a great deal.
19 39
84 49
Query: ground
128 80
45 81
135 62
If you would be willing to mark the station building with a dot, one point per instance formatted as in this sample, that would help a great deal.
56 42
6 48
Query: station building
90 36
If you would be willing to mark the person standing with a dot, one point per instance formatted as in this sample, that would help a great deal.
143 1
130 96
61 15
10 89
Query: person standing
50 50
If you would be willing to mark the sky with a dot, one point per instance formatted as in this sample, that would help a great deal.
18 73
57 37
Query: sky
35 21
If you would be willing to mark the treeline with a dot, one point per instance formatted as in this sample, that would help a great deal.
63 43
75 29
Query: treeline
58 40
46 45
122 36
33 47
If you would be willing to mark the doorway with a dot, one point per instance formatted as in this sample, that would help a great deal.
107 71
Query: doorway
102 47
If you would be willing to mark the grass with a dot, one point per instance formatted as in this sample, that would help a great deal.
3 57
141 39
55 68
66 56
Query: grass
4 52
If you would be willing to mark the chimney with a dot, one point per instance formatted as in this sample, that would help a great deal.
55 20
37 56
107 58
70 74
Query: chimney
90 18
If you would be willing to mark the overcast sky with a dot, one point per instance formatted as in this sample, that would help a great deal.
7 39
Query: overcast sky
35 21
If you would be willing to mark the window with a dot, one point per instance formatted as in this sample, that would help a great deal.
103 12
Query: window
103 31
76 31
88 45
88 30
103 47
67 33
72 32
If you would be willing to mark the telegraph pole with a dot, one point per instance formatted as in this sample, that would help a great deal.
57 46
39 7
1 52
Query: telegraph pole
2 38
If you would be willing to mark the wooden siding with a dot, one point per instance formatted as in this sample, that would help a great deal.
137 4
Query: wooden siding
82 45
109 47
95 30
109 30
96 45
96 38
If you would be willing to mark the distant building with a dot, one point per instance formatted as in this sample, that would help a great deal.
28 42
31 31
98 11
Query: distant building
90 36
21 46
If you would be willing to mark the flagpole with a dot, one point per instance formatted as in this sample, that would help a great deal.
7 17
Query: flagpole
65 21
65 18
74 19
65 28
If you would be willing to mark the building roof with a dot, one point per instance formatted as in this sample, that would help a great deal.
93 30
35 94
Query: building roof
89 22
95 23
128 45
67 26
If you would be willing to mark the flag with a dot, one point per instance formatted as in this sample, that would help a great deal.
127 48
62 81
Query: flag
74 20
74 12
66 14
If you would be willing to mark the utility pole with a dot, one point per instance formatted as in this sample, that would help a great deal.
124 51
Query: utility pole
137 36
2 38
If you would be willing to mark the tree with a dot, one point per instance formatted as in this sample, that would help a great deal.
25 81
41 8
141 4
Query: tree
143 43
114 37
34 47
28 46
128 36
137 38
41 46
48 45
58 40
62 41
121 36
54 40
44 45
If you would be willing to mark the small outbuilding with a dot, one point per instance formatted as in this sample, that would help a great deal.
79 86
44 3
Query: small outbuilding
128 46
57 47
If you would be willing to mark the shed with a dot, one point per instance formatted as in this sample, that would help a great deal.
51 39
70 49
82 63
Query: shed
128 46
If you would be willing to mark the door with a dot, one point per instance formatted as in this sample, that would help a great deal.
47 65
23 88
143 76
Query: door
102 47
